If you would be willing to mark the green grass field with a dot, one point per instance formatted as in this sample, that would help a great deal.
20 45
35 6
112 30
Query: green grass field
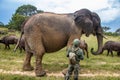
100 67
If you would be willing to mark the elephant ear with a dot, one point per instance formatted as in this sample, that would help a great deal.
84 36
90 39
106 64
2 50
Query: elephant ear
97 23
83 19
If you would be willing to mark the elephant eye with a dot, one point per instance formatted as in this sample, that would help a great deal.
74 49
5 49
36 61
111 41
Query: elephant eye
80 16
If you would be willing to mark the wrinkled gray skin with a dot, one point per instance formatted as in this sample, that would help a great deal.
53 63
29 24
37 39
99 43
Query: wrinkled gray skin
50 32
97 31
111 46
7 40
84 47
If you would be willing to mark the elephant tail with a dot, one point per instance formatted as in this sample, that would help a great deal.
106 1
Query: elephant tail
103 36
18 42
22 32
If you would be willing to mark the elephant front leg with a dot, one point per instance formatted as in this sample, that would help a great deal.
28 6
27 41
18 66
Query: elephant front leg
27 66
39 70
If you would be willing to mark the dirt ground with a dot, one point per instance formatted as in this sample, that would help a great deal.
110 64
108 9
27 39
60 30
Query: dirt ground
59 74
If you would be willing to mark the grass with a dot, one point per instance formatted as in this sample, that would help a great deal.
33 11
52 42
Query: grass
22 77
99 78
19 77
57 61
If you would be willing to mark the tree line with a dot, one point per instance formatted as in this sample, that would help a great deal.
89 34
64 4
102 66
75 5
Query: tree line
105 30
21 14
25 11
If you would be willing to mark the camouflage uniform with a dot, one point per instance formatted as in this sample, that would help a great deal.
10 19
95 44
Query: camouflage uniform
74 65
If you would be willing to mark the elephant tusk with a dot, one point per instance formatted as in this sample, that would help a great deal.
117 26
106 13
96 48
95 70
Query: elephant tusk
102 35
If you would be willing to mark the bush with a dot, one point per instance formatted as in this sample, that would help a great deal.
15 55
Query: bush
16 22
111 34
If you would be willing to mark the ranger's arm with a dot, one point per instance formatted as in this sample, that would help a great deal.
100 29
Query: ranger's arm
81 55
68 51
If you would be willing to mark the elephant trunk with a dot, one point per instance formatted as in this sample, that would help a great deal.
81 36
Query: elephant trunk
100 44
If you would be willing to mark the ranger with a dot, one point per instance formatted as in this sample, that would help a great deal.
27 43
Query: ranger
75 54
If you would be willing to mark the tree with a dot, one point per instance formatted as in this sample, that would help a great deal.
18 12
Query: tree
16 22
26 10
1 24
105 29
40 11
20 15
118 31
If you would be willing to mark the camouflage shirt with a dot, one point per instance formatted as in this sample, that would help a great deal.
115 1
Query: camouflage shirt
79 53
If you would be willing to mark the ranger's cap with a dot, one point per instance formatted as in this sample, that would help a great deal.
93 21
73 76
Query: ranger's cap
76 42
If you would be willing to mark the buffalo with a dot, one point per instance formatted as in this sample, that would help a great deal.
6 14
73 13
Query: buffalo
9 39
111 46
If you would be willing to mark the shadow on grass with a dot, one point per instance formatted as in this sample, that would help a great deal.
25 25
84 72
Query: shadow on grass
54 67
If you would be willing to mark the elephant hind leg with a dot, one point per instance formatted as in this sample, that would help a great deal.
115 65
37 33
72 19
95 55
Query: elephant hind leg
35 45
27 65
40 51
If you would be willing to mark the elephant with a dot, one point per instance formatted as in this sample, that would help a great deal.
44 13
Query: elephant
50 32
111 46
7 40
84 47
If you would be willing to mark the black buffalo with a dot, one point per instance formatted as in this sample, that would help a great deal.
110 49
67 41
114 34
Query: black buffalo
7 40
111 46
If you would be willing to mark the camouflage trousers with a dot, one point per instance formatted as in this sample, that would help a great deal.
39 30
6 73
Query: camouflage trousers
72 68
